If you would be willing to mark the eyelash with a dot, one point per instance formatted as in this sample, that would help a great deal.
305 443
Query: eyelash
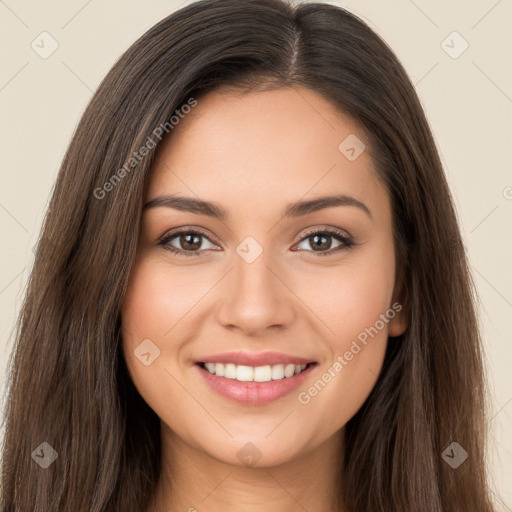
346 241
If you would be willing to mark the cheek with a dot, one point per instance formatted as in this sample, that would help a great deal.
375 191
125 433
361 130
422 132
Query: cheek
161 305
149 311
348 300
158 301
352 307
155 308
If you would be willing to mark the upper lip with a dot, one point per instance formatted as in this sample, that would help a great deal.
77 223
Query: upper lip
254 359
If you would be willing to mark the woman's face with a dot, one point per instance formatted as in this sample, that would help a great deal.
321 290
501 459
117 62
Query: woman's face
263 279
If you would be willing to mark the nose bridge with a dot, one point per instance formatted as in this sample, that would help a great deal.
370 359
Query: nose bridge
254 297
254 277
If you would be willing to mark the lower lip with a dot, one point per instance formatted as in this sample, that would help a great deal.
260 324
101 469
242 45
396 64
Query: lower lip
254 392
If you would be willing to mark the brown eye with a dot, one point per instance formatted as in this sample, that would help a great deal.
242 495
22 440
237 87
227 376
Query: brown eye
190 242
322 241
186 242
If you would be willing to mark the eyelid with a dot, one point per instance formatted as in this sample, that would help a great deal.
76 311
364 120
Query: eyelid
325 228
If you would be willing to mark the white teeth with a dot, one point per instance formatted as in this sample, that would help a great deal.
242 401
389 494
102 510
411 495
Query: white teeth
244 373
278 371
262 373
229 370
257 374
218 369
289 370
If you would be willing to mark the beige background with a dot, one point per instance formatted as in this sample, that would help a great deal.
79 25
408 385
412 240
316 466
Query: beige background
468 101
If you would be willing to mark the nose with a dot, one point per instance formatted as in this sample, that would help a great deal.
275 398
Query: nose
255 297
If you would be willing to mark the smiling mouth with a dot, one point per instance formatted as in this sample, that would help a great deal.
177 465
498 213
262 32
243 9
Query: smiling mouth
264 373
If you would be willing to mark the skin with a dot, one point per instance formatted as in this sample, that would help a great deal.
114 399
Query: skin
253 153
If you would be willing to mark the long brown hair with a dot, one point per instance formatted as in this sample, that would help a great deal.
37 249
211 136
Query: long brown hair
69 386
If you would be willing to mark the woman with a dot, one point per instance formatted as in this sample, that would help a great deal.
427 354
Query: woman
250 290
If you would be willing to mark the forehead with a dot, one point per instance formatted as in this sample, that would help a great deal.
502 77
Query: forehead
264 147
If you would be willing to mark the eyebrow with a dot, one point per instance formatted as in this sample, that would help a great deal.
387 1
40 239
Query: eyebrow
211 209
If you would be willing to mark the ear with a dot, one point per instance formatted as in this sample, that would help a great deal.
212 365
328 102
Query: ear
399 323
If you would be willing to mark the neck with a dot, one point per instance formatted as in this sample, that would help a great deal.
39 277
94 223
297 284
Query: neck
193 481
